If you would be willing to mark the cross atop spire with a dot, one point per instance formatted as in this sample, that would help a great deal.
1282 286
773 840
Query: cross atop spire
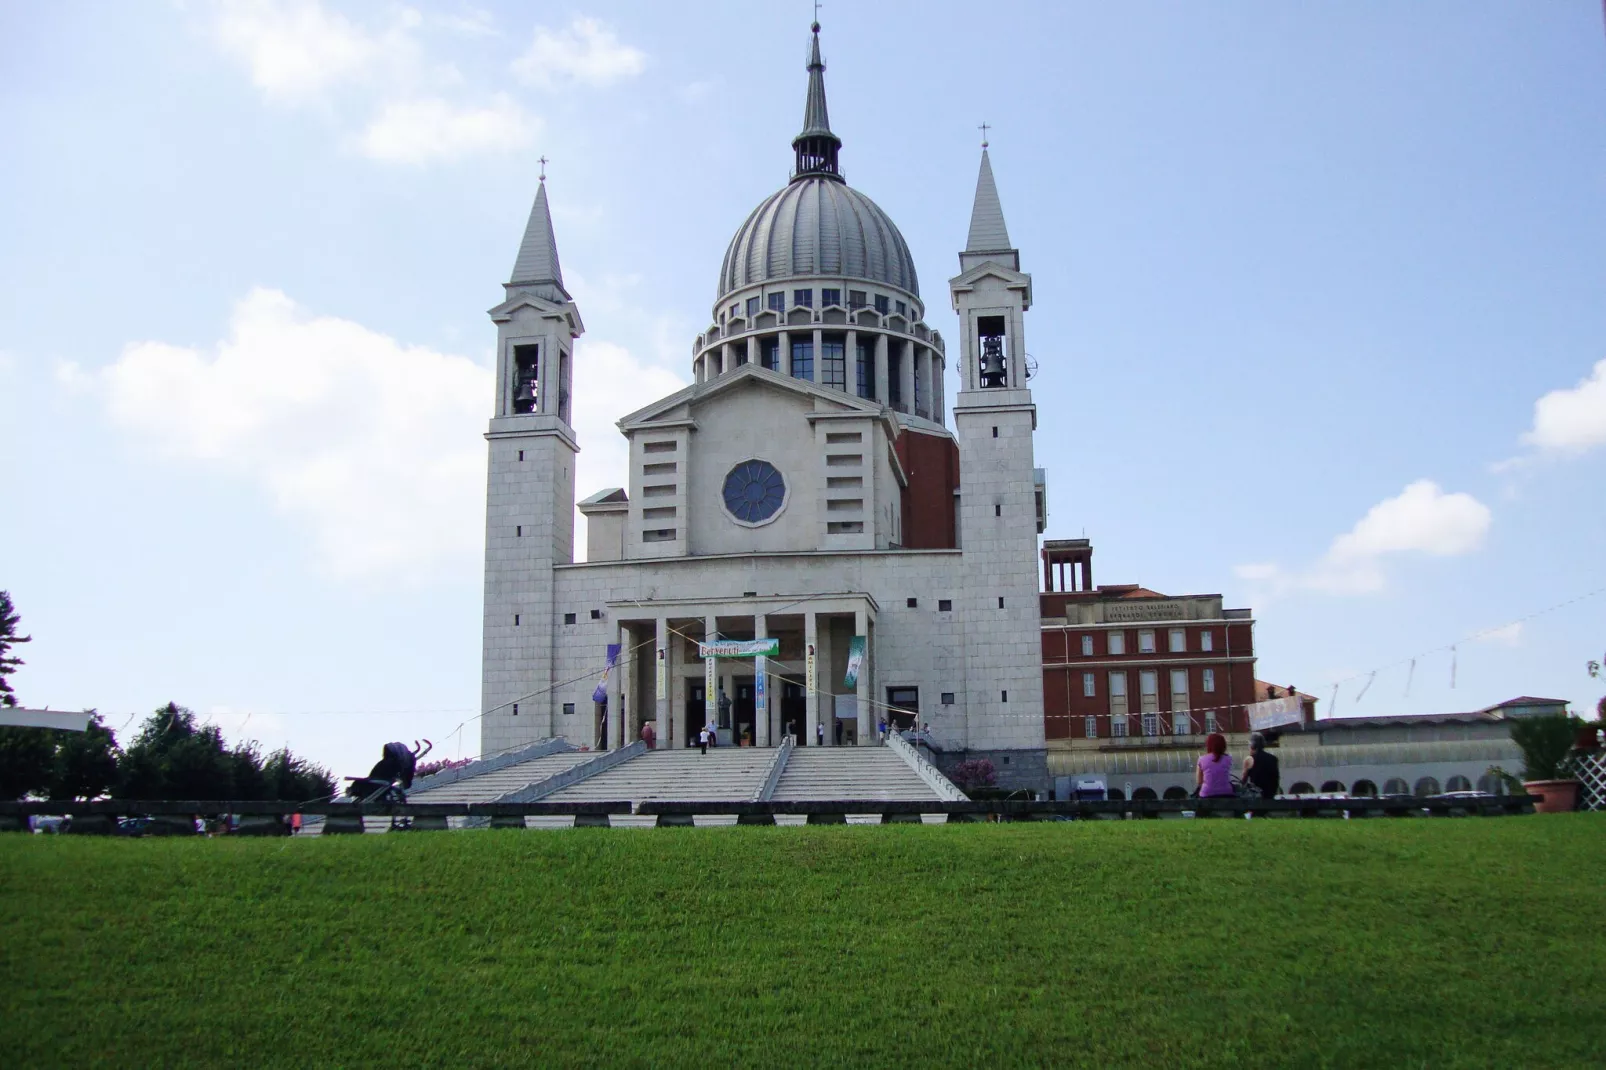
816 147
984 127
544 161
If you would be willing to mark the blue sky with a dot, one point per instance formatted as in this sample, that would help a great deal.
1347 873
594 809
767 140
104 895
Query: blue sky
1319 314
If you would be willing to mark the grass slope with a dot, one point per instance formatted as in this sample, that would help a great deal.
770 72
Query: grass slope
1470 942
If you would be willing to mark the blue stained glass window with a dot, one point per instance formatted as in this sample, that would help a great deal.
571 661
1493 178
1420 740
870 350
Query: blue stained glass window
754 491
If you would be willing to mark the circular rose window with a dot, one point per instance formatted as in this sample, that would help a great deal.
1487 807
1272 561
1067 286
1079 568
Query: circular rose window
754 492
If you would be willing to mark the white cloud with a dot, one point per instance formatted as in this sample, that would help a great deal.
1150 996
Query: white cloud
374 445
1573 420
296 49
587 52
386 84
417 131
1420 519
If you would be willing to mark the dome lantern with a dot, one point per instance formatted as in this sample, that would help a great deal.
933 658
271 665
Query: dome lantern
816 147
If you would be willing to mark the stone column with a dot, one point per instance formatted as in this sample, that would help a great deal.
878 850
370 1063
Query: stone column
783 353
727 358
939 387
850 361
616 713
663 670
861 626
761 718
819 355
811 700
908 374
547 355
881 392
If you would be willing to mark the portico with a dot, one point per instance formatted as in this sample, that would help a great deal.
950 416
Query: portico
799 691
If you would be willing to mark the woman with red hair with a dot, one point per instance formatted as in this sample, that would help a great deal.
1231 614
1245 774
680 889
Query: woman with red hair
1215 768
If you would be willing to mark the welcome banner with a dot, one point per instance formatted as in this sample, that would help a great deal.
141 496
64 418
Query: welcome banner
740 648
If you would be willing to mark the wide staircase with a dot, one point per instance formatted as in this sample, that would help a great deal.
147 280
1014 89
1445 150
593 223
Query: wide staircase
733 773
850 773
488 787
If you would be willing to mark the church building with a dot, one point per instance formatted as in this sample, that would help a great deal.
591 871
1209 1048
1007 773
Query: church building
861 546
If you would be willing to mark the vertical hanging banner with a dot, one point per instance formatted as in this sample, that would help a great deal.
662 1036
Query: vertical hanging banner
856 647
710 692
761 704
663 674
601 693
809 674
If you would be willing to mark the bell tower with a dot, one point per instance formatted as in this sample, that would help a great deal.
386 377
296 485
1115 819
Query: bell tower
999 522
529 507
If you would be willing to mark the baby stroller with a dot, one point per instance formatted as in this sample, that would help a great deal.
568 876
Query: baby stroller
389 779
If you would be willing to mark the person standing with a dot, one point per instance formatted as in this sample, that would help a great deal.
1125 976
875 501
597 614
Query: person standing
1260 768
819 733
702 739
1214 768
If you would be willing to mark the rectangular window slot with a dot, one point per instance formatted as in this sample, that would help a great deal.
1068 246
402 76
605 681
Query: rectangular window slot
844 527
521 455
945 605
518 531
998 510
913 603
515 620
568 708
659 447
658 535
834 437
596 614
659 512
515 709
1005 696
844 460
659 490
843 482
844 505
995 432
1000 601
947 698
662 468
568 618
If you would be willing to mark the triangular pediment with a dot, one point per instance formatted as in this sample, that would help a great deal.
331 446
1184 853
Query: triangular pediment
683 404
543 306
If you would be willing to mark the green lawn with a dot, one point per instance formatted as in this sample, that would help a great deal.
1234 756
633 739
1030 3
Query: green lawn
1419 942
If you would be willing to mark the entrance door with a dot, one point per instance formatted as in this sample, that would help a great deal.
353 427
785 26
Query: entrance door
794 713
742 712
695 711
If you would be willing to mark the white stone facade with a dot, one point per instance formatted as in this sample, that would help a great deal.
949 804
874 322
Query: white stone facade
953 634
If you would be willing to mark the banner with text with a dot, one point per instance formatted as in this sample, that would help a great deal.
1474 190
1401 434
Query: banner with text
740 648
856 647
1274 712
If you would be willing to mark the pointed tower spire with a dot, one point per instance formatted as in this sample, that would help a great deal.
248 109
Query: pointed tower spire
987 231
537 265
816 147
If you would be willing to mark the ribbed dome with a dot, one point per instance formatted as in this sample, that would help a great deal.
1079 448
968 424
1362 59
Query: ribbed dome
818 225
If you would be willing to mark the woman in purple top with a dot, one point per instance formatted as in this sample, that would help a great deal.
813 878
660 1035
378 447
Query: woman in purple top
1215 768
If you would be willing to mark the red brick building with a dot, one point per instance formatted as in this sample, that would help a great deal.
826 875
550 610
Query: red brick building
1126 666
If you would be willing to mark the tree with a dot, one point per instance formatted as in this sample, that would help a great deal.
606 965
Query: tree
8 636
173 758
26 759
295 779
85 763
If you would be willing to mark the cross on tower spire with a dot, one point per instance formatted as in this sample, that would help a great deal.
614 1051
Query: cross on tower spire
984 127
543 162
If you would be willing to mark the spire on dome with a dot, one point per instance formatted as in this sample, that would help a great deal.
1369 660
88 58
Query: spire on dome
816 146
537 264
987 231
